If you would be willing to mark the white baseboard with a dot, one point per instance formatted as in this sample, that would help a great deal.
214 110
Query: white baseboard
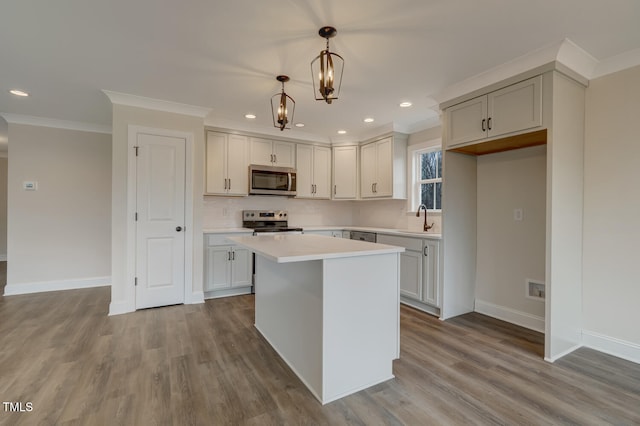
119 308
196 297
58 285
523 319
563 353
611 345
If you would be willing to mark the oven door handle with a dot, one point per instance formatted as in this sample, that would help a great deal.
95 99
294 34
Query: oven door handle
289 181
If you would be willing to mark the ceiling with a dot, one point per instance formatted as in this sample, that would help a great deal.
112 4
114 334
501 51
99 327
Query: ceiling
225 55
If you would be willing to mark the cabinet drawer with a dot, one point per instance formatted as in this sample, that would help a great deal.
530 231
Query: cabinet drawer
414 244
220 239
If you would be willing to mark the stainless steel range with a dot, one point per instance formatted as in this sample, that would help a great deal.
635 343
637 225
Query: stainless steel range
268 221
264 222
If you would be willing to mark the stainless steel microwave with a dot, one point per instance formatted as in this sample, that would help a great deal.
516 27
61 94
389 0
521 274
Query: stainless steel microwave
269 180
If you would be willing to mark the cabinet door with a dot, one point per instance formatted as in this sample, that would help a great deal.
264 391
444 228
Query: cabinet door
384 174
431 262
237 165
515 108
241 269
322 171
261 151
217 273
304 172
345 173
216 155
284 154
467 121
367 170
411 274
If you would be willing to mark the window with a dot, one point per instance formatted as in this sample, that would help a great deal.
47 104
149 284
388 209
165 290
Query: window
427 178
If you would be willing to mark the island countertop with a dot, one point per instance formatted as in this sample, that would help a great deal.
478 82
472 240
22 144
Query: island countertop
285 248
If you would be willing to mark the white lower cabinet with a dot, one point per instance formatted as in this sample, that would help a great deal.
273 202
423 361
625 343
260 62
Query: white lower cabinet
419 275
227 268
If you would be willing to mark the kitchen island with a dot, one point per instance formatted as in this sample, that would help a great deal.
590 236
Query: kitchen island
330 307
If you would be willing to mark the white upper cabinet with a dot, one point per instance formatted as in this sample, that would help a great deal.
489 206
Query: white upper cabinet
383 169
227 171
345 172
267 152
313 177
511 110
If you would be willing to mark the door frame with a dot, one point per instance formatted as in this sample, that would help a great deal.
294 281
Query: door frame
132 177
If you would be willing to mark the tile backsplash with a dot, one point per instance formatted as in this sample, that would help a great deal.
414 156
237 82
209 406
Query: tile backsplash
226 212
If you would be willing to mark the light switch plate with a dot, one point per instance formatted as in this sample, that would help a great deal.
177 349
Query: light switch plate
517 214
30 185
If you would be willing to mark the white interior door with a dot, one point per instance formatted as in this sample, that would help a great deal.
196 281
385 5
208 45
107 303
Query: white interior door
160 235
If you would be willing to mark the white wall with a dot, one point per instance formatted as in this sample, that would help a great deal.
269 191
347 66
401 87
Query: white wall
611 283
510 252
59 235
392 214
3 206
122 290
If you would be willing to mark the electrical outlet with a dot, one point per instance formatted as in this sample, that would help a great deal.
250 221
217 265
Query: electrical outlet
517 214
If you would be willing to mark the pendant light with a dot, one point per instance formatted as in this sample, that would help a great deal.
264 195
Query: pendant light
326 70
279 107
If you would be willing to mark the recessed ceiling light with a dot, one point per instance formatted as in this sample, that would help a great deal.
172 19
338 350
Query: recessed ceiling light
405 104
250 116
369 120
342 132
299 124
18 92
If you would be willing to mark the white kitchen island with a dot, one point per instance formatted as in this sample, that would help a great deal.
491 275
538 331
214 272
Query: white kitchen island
330 307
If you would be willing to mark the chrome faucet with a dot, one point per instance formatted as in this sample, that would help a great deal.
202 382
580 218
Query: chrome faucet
426 227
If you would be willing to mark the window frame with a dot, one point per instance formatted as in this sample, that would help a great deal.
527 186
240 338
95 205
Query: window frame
414 180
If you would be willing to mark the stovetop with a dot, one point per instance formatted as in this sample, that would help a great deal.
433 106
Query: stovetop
267 221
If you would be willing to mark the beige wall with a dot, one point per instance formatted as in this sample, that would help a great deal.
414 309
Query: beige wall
122 290
62 231
509 251
611 287
425 135
3 207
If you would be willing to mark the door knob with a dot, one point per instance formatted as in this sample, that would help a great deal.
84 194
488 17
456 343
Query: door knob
178 228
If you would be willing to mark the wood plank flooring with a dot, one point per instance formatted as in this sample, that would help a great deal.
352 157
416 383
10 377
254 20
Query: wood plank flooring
207 365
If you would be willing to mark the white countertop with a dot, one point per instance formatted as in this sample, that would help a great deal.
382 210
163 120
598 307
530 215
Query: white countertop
403 232
286 248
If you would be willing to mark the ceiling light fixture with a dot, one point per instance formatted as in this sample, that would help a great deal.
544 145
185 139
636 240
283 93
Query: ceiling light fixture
299 124
280 112
250 116
405 104
18 92
342 132
326 70
368 120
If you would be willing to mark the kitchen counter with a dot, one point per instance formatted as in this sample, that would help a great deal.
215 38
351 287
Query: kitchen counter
389 231
283 248
330 307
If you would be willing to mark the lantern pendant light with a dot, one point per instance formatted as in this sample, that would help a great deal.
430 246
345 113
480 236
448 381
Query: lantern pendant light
326 70
279 108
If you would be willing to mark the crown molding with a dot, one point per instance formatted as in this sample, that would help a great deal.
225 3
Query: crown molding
579 62
617 63
31 120
126 99
294 134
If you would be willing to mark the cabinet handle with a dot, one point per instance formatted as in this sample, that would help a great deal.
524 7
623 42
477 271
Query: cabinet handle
229 256
335 189
225 183
489 123
483 121
233 255
229 183
426 251
275 158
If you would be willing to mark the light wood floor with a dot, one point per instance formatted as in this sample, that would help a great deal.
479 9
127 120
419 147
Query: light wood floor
207 365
